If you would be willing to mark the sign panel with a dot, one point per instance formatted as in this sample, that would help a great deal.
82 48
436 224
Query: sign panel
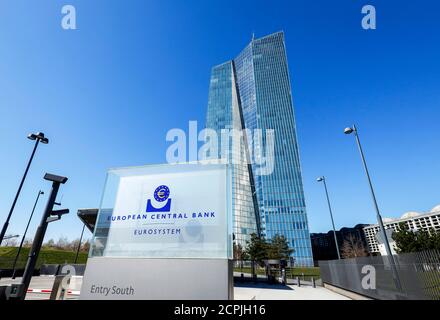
163 232
168 211
157 279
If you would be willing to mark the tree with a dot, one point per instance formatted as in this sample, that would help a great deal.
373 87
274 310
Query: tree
11 242
353 247
49 244
27 243
62 243
408 240
257 248
73 245
278 248
239 252
85 246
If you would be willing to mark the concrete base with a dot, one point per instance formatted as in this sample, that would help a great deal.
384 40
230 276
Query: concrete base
157 279
349 294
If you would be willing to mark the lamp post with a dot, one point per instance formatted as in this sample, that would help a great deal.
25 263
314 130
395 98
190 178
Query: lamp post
38 137
376 207
79 244
24 235
322 179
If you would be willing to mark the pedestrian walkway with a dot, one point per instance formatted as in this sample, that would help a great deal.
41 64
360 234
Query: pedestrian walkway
40 288
261 291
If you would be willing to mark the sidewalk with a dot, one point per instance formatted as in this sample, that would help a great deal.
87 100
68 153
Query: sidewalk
40 288
260 291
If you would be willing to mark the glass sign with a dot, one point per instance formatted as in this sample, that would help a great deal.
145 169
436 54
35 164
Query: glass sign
165 211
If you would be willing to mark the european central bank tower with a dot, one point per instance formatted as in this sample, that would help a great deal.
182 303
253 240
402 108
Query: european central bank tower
253 92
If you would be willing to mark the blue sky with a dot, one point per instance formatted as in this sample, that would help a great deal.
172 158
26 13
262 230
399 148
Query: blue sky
107 93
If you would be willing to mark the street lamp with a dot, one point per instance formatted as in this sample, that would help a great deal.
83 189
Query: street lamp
38 137
79 244
351 130
24 235
12 236
322 179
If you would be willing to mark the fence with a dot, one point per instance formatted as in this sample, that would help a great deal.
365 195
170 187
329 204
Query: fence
245 267
418 274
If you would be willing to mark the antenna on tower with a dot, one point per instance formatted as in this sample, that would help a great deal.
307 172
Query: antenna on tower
253 36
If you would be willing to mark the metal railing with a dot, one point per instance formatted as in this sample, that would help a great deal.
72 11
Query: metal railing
418 273
292 273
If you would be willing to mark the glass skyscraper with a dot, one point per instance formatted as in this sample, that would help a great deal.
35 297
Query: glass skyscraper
253 92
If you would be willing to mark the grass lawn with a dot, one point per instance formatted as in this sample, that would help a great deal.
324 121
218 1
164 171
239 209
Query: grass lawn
46 256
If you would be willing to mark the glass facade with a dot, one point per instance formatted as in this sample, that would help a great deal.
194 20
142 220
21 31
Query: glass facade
223 113
253 92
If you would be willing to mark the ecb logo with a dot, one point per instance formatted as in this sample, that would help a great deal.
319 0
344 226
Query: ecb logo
161 194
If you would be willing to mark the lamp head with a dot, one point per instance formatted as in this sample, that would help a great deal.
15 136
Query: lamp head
320 179
38 136
348 130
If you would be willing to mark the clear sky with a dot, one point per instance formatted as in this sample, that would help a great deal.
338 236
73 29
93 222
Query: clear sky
107 93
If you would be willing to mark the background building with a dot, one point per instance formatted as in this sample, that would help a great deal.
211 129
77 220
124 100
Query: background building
323 244
381 242
253 92
223 113
414 220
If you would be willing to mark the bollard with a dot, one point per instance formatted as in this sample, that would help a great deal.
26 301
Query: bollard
4 292
313 282
298 282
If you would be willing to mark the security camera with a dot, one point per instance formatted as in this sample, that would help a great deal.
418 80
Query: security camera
55 178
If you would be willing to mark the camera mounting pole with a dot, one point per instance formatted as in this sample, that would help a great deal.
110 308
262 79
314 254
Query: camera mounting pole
18 291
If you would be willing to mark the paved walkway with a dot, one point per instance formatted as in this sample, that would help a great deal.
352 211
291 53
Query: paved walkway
242 291
277 292
45 283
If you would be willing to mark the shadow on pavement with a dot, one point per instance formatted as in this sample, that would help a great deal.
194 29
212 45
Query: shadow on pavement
261 285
